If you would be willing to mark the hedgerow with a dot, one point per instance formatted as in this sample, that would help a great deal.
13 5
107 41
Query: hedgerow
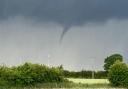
29 74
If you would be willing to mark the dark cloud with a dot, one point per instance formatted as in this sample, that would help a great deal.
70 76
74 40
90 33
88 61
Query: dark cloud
65 12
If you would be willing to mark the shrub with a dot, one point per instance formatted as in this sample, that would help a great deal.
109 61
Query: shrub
30 74
118 74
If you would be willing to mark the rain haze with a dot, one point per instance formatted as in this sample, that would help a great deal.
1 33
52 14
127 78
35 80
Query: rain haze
78 34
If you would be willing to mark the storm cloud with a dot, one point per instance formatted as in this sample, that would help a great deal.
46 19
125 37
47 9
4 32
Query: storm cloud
30 30
65 12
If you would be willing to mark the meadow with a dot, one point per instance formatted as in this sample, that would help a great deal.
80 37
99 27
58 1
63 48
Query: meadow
89 81
75 83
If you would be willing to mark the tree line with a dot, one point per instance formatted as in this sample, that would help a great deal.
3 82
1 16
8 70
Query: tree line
85 74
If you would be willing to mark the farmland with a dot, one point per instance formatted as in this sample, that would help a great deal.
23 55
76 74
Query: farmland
89 81
76 83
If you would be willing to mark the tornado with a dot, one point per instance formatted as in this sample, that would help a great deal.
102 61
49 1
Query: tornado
65 30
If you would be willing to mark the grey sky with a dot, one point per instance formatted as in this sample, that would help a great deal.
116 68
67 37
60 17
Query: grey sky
31 29
65 11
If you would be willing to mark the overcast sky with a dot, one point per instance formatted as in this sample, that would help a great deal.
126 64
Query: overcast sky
78 34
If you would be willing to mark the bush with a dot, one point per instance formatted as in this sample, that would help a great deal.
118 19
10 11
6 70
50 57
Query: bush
118 74
30 74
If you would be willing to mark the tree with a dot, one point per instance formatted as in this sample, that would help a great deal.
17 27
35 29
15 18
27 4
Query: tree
111 60
118 74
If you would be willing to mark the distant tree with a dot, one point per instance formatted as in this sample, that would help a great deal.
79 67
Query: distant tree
61 67
111 60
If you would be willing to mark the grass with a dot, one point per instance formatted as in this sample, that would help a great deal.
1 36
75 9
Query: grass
66 86
73 84
93 83
60 86
89 81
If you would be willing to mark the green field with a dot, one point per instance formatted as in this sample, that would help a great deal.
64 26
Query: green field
89 81
76 83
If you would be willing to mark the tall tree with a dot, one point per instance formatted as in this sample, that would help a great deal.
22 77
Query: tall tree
111 60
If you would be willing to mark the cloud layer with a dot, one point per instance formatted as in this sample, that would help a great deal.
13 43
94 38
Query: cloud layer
30 30
65 12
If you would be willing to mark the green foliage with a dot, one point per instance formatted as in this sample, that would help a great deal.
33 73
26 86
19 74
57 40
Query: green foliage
111 60
85 74
100 75
118 74
30 74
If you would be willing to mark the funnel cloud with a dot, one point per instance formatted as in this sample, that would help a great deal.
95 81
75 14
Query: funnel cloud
65 30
